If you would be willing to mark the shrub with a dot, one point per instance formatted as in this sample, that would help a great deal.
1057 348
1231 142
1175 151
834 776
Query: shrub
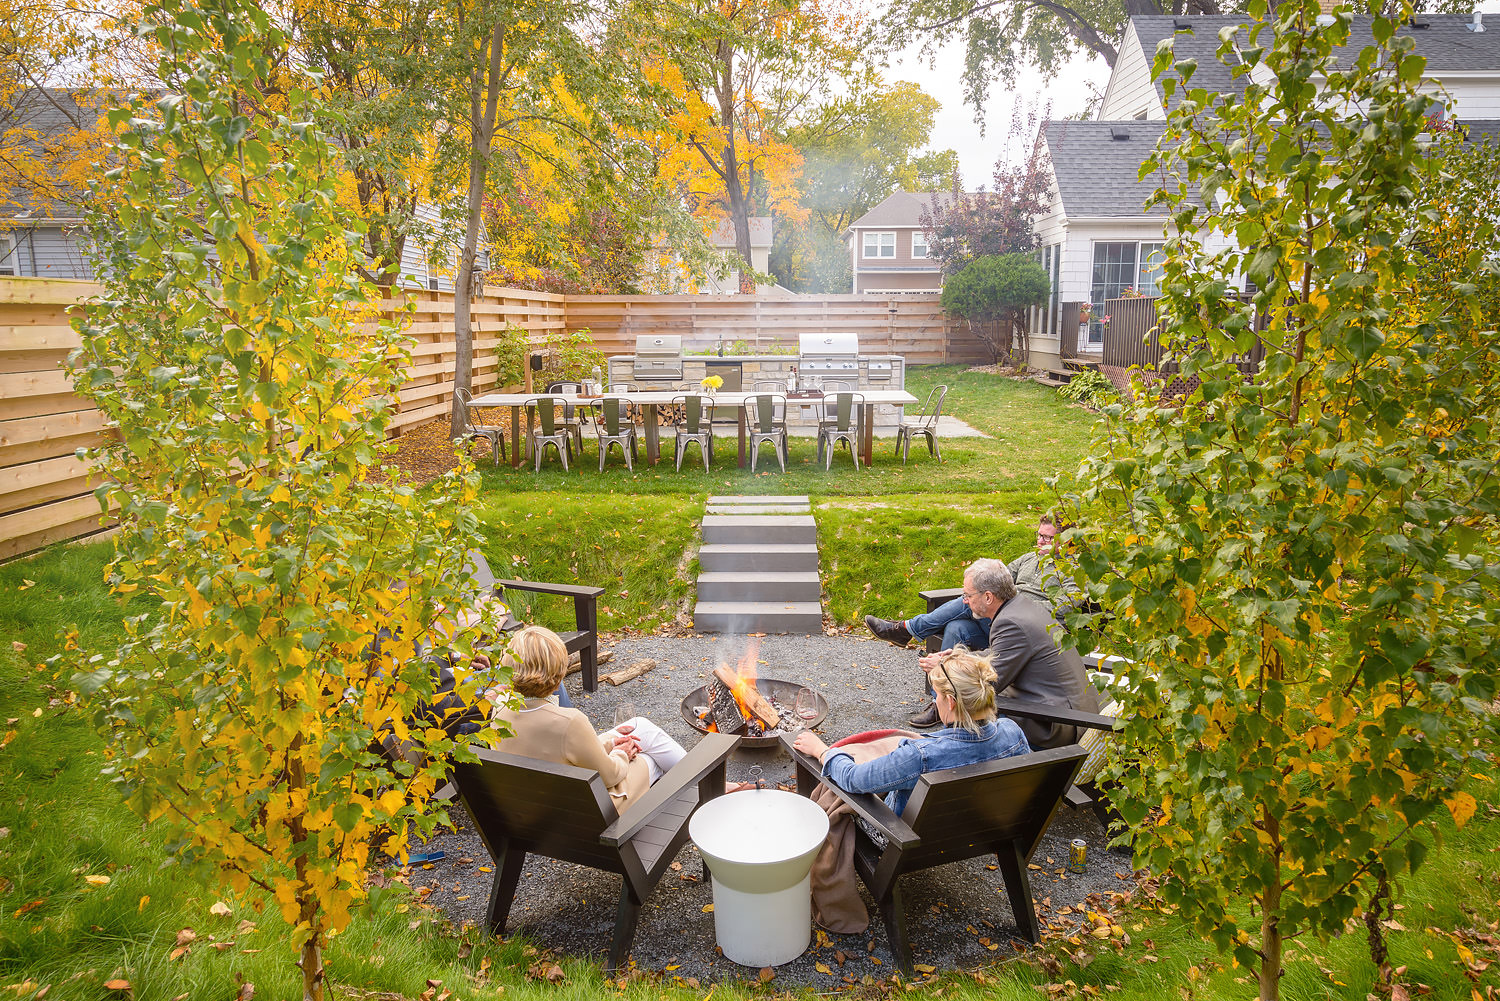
1092 388
992 293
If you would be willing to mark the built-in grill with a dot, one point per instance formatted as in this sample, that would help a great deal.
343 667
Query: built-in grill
658 358
828 354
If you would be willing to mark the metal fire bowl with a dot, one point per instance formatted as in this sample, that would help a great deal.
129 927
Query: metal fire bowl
785 692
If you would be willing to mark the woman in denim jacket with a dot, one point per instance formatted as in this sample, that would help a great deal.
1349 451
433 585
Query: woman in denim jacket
971 733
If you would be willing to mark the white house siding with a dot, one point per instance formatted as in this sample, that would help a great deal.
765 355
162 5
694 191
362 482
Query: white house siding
1474 98
1130 91
49 252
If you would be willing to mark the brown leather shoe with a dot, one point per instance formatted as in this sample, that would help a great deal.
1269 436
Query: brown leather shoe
927 718
885 629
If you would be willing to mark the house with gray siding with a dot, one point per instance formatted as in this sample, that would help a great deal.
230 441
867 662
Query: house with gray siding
888 246
1097 237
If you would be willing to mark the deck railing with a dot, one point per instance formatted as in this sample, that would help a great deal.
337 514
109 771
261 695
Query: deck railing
1130 338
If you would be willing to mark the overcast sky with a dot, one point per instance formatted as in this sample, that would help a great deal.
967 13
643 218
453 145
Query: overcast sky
1069 92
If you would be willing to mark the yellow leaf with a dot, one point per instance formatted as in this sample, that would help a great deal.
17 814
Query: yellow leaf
1462 806
708 908
104 880
823 968
144 901
924 968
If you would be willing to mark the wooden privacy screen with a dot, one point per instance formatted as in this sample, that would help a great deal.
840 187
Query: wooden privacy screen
46 492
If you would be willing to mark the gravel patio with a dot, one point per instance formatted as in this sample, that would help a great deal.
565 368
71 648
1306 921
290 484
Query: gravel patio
958 917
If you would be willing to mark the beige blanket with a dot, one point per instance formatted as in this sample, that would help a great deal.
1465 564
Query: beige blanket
837 905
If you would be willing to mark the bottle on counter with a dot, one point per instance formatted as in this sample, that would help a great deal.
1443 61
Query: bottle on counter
791 380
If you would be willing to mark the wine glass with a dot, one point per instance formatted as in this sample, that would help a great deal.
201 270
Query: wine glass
624 713
804 707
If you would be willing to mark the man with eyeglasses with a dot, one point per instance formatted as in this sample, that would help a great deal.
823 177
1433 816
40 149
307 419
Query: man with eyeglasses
1033 573
1023 649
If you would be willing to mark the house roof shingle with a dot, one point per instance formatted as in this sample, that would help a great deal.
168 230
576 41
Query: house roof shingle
1096 172
902 208
1446 42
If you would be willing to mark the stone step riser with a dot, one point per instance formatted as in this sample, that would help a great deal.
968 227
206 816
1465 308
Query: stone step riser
760 534
768 587
763 509
713 559
801 618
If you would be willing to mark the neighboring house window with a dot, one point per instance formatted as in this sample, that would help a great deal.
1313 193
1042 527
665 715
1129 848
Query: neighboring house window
880 244
8 254
919 245
1117 267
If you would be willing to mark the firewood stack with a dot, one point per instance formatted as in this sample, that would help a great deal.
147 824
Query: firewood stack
722 709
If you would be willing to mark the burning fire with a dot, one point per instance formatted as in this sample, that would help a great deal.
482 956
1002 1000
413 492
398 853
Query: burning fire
747 675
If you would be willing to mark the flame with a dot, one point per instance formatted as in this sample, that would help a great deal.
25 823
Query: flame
746 675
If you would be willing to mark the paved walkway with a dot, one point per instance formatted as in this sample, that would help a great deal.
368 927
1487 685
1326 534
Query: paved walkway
957 915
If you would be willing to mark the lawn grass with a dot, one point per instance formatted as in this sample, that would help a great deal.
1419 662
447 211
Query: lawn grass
64 823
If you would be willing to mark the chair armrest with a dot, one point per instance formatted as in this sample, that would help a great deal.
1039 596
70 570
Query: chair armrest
568 590
866 805
710 753
940 596
1054 714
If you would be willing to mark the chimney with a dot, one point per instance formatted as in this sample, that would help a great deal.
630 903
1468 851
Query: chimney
1478 23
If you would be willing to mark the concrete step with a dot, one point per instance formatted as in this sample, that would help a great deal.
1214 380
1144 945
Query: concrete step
798 617
760 509
759 499
759 528
751 557
760 586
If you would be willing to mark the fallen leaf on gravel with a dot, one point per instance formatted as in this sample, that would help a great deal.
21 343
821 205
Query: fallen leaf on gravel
708 908
767 974
823 968
924 968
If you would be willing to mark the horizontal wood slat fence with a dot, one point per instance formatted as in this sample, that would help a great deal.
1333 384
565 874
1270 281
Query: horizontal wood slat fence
46 491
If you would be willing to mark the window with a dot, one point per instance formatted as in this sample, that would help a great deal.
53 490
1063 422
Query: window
8 259
1117 267
919 250
880 244
1045 318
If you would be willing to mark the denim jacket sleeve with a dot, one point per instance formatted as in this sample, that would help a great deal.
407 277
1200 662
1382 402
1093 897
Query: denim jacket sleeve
899 769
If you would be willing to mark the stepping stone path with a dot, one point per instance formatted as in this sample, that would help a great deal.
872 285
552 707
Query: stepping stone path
759 565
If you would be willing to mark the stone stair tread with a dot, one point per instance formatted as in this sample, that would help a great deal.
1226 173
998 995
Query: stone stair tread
800 576
765 509
750 520
760 547
761 607
759 499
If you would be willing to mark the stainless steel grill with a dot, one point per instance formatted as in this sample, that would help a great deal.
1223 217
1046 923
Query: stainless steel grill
828 354
658 358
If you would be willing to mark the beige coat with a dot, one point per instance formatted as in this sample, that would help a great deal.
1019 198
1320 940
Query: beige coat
548 731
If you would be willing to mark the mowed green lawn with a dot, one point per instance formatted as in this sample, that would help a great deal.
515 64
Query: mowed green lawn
884 534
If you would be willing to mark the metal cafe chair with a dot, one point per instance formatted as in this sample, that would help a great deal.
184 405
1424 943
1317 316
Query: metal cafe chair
926 425
765 413
550 431
493 433
694 425
843 427
829 389
573 418
613 426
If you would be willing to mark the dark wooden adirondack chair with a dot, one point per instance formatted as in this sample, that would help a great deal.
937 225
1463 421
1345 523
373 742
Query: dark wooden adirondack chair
584 640
525 806
998 807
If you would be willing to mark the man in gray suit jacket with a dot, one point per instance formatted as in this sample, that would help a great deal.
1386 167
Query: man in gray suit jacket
1029 664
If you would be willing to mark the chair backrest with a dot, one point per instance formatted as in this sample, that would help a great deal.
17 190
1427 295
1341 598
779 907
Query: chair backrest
464 397
931 410
769 386
545 413
764 411
962 812
843 409
611 412
693 412
555 810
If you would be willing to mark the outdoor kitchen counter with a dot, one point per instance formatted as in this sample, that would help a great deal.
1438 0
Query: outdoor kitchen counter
649 401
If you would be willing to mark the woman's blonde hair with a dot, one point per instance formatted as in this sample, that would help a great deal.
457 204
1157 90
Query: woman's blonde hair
967 679
538 661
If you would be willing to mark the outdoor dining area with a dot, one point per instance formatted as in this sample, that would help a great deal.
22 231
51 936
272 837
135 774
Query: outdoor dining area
568 415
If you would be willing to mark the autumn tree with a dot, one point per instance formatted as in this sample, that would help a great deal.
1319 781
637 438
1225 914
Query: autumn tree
744 73
967 226
1298 560
856 151
527 88
240 355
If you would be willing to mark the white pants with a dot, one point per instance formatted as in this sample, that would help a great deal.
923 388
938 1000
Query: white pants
661 751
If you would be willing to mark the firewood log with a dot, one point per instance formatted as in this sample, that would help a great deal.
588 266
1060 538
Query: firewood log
754 701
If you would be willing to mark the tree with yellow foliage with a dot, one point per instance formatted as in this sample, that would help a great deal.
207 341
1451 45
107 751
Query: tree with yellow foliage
250 374
744 73
1298 555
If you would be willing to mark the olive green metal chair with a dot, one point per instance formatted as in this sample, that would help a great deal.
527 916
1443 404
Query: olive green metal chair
549 431
695 425
765 413
613 426
841 426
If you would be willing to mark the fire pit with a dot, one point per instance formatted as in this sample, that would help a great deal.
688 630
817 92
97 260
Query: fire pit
759 710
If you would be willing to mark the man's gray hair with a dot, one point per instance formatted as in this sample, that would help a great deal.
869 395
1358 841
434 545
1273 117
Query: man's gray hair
992 576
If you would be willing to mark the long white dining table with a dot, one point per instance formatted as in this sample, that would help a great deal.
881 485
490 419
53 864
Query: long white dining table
649 401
